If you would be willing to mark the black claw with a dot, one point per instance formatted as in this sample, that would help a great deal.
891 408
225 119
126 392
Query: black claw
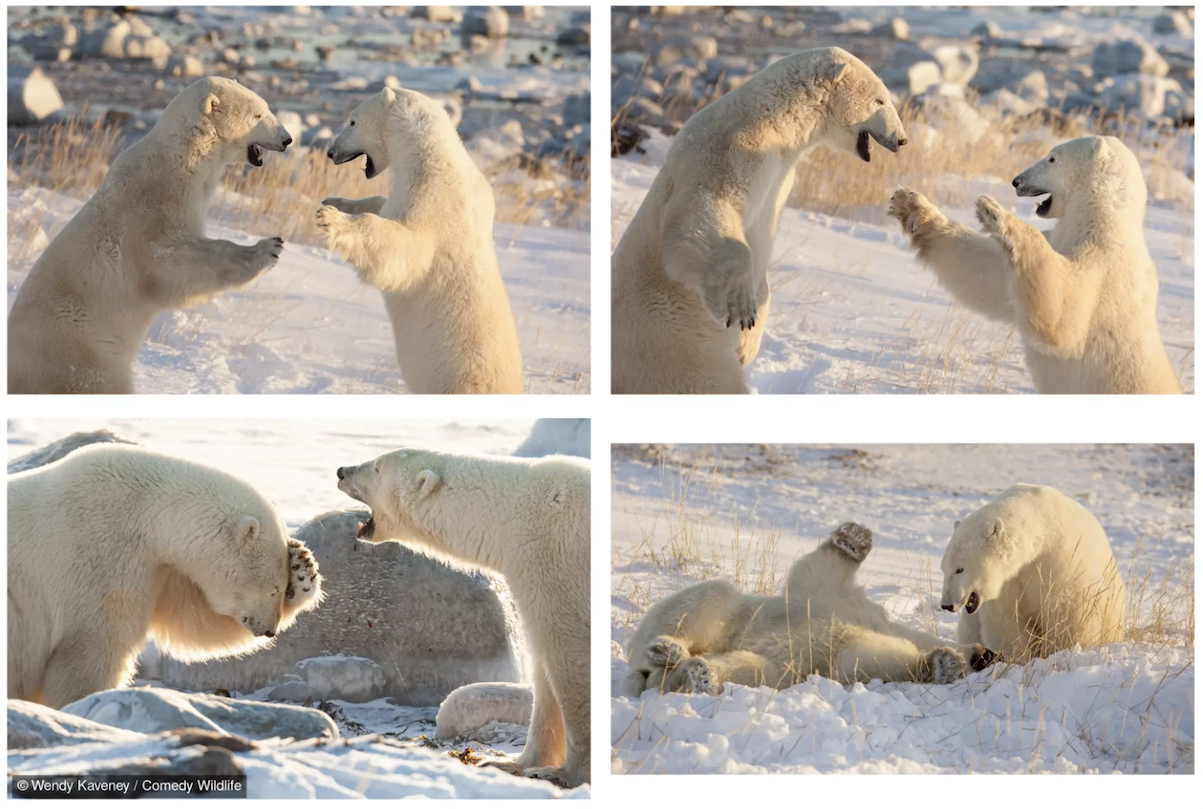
728 321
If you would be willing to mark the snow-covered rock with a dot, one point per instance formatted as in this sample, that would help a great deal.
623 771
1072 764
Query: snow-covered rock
492 22
1173 23
556 437
1132 54
31 725
32 96
469 708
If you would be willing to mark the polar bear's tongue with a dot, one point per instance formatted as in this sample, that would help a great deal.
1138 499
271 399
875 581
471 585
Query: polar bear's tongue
367 529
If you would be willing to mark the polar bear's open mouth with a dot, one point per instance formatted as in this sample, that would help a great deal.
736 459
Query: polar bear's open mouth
1045 207
862 145
254 155
367 529
1022 189
972 603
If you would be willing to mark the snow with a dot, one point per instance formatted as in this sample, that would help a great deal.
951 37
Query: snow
293 463
681 514
309 326
854 311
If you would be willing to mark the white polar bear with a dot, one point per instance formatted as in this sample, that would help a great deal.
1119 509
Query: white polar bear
694 261
428 246
138 246
1084 294
1034 572
527 519
114 544
708 634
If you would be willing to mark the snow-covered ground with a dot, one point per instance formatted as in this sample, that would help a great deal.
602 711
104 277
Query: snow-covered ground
854 311
293 463
309 325
681 514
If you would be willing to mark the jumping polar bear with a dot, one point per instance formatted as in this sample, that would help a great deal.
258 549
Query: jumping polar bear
428 246
694 261
1034 573
1084 294
527 519
114 544
708 634
138 246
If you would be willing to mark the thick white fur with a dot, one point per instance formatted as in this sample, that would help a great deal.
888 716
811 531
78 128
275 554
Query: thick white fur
1084 294
114 544
428 247
708 634
527 519
138 246
690 292
1043 570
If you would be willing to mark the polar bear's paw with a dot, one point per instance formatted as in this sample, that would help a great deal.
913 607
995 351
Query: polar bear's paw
732 300
328 219
260 257
666 652
699 678
995 220
853 540
981 658
555 775
945 665
504 764
912 210
304 580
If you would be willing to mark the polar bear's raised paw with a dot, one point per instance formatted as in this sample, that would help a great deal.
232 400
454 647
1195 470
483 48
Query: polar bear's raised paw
699 679
304 579
732 300
912 210
853 540
328 218
666 652
945 665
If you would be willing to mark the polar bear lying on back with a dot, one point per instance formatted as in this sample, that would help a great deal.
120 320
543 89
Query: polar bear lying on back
138 246
1034 573
708 634
428 246
693 263
1084 294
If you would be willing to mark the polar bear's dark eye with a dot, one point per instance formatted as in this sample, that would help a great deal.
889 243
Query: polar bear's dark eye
960 570
351 124
880 103
1052 160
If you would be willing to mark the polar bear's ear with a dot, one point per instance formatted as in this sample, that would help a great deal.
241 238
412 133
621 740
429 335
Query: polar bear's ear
831 72
247 530
428 481
211 103
1100 147
996 530
388 95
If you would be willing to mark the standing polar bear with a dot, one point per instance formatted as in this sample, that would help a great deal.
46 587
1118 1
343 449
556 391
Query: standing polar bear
1034 573
114 544
1084 294
708 634
138 246
428 246
527 519
694 262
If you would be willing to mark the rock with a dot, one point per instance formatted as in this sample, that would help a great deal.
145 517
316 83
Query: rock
556 437
629 61
184 67
431 627
50 52
1173 23
988 29
726 66
292 122
643 111
1179 107
469 84
576 108
491 22
1131 55
628 87
31 726
152 710
958 63
65 34
695 49
853 26
424 38
527 13
455 110
152 48
575 35
954 118
317 136
470 708
1139 92
107 42
1008 104
352 679
437 13
896 28
32 96
914 79
139 28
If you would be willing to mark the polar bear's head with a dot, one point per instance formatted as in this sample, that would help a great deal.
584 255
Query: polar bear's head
391 125
396 486
224 120
859 107
1092 171
975 561
251 582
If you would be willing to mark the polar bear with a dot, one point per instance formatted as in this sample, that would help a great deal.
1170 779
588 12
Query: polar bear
693 263
114 544
527 519
1034 573
1084 294
708 634
138 246
428 246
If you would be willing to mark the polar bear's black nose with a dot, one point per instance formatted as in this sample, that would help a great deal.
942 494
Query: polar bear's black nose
947 607
330 154
902 141
269 634
342 472
287 142
1015 183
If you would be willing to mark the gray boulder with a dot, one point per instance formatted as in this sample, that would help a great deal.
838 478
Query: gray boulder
1173 23
64 446
437 13
430 627
988 29
292 122
1139 93
695 49
556 437
1130 55
468 709
185 67
896 28
31 726
958 63
106 42
576 109
153 710
32 96
491 22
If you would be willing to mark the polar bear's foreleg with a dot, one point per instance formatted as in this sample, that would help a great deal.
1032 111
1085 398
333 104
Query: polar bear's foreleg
866 655
369 205
1056 302
704 249
86 663
971 266
386 253
977 655
749 340
545 741
185 272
